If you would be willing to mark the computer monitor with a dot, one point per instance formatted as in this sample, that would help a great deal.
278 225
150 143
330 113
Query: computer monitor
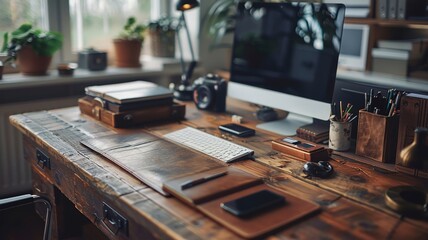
285 57
353 50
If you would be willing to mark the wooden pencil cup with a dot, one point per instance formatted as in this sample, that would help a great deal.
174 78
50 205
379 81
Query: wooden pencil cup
377 136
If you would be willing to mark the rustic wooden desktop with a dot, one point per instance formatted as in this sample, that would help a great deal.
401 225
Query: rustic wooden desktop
74 177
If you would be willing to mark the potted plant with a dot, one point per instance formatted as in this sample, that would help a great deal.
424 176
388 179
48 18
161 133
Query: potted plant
32 48
162 37
128 45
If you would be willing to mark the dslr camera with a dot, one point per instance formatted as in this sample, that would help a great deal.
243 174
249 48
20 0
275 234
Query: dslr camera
210 93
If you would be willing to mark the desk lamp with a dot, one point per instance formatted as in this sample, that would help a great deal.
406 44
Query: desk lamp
411 200
184 91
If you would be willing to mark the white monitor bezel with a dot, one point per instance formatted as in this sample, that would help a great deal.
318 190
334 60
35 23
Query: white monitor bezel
301 110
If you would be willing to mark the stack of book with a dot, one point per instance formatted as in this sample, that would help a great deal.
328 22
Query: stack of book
399 56
128 104
315 132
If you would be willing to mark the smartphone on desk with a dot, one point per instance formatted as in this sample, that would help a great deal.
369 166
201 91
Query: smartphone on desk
237 130
253 203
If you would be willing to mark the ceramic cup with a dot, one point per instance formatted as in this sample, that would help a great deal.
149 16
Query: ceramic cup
340 135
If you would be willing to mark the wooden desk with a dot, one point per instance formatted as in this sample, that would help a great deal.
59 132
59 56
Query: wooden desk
76 178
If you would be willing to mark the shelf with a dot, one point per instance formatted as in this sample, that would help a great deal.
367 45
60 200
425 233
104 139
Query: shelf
381 79
389 22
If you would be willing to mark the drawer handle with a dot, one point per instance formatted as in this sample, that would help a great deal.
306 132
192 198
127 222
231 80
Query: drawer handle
99 220
112 220
43 160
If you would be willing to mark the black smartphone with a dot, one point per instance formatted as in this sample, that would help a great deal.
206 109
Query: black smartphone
238 130
253 203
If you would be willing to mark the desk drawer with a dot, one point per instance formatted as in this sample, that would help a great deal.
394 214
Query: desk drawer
107 216
53 169
40 158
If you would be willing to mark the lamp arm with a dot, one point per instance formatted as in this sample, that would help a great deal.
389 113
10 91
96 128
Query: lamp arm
190 69
184 91
187 73
180 45
192 54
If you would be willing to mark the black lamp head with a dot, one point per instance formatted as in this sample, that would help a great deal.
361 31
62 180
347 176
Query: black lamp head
184 5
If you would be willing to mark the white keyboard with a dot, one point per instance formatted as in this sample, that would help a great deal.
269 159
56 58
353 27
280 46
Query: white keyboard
210 145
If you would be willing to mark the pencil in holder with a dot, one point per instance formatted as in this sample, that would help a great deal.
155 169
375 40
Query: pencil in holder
377 136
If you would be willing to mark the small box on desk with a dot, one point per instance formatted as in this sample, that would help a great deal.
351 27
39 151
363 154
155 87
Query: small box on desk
377 136
132 118
301 149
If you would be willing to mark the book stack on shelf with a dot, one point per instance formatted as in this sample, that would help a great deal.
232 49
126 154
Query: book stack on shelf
401 9
399 57
128 104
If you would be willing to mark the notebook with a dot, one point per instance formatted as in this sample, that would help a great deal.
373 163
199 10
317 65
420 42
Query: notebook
130 92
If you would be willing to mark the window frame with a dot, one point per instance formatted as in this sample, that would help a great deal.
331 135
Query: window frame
59 20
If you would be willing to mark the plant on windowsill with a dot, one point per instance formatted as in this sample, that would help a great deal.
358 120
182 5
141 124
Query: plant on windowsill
129 43
162 37
32 48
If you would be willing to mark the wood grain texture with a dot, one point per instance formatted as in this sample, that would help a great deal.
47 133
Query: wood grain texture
351 200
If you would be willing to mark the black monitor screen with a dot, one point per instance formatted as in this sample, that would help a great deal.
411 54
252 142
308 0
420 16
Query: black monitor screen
289 48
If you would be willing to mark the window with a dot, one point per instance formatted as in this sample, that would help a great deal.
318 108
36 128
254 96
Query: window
95 22
87 23
15 13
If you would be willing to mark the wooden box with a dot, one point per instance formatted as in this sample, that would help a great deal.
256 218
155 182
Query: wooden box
413 114
127 119
377 136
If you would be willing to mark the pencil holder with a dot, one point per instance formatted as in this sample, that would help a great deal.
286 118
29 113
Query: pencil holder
377 136
340 135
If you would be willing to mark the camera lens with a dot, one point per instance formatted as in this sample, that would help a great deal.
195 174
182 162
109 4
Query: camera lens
203 97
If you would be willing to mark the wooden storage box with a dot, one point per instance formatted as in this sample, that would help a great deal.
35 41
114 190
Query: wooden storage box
413 114
377 136
127 119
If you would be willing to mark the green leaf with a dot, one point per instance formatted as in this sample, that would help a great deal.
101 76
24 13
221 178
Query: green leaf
5 45
131 21
24 28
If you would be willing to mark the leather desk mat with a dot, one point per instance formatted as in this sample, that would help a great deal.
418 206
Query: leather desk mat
165 166
264 222
151 159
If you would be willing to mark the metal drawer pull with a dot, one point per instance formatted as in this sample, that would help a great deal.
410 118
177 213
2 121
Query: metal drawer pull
116 222
42 159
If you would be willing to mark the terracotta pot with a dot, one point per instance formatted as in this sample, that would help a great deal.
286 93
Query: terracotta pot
127 52
30 63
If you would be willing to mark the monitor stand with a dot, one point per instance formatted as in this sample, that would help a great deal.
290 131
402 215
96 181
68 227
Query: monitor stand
286 126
